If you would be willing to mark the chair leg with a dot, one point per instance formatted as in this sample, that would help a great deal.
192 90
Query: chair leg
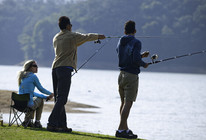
10 114
10 117
11 121
26 125
16 118
26 112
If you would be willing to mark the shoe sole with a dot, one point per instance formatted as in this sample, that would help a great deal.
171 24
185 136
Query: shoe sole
57 130
128 137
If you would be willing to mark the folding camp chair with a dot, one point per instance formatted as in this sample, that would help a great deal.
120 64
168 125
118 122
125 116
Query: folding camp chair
18 106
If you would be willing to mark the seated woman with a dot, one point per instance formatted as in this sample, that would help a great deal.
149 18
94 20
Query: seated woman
27 82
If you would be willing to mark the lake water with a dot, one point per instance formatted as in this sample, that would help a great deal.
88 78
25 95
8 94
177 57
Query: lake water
168 107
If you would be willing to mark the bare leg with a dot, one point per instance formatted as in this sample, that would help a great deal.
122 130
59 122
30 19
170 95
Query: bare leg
124 113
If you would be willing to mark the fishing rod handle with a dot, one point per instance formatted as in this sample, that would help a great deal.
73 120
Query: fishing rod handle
155 62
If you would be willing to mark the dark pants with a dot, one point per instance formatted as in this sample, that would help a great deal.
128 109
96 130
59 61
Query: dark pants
61 85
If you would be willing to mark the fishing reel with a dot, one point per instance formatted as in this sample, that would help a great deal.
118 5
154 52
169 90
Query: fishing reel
97 41
154 57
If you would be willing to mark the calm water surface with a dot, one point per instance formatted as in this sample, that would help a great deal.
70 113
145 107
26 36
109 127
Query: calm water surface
168 107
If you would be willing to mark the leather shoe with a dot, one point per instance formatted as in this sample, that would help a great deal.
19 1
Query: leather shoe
59 129
65 129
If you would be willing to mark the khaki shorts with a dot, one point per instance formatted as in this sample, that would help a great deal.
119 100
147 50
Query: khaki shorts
37 107
128 86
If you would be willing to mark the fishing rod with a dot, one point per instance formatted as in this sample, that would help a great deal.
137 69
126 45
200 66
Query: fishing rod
96 51
155 56
99 42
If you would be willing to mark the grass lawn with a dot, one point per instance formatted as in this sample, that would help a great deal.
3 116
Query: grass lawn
20 133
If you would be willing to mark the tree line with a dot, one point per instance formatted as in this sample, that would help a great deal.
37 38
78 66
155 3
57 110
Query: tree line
28 26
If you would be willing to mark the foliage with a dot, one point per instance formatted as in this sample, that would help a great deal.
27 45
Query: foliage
28 26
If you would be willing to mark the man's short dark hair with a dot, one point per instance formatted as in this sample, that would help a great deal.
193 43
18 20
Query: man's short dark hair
129 27
63 22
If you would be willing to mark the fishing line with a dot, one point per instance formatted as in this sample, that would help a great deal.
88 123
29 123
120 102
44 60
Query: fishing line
86 61
145 37
155 56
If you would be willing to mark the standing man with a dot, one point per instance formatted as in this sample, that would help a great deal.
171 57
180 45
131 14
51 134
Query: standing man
65 45
130 60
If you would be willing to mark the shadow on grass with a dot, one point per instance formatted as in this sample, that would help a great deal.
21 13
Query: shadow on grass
80 134
99 136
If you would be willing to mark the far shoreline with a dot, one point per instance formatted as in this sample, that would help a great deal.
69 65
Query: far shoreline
184 70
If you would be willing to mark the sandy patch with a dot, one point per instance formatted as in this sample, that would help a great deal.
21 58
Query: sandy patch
71 107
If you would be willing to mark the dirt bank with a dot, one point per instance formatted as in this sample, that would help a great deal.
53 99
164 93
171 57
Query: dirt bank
71 107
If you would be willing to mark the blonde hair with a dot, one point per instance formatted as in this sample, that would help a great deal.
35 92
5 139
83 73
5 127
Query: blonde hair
23 73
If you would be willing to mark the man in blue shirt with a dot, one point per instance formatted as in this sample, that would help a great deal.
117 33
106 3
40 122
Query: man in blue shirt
130 61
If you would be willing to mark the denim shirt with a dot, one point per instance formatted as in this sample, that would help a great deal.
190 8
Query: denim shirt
28 85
